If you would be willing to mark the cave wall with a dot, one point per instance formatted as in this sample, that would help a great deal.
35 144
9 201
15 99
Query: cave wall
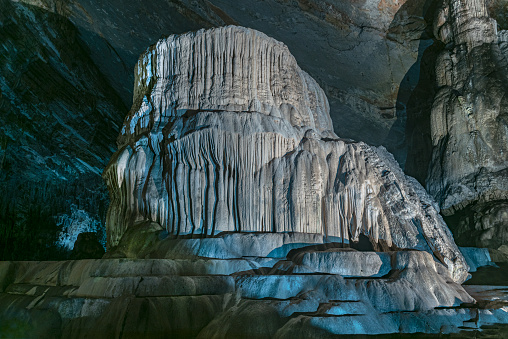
67 83
468 172
57 111
361 53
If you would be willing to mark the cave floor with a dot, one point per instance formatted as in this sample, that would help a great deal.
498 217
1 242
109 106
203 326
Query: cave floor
183 297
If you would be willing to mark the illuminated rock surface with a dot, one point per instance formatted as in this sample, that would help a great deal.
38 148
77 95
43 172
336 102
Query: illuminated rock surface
468 174
65 65
366 55
237 212
248 297
361 52
228 134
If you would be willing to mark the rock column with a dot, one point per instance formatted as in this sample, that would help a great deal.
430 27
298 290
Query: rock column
468 174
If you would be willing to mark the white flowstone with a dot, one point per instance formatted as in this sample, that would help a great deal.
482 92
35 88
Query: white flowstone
228 134
344 263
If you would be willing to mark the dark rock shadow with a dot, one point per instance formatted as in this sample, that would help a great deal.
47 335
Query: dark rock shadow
59 118
418 111
411 130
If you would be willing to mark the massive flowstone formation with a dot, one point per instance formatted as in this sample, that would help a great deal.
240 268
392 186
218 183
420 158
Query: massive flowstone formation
234 210
366 56
228 134
468 174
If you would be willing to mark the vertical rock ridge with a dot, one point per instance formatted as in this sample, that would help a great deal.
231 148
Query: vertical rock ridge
468 174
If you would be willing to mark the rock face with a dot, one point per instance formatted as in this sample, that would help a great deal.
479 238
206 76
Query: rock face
311 293
237 212
57 112
228 134
468 174
243 297
364 54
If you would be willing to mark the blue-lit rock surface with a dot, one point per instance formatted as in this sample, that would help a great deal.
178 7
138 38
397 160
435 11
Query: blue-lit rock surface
57 112
228 134
243 297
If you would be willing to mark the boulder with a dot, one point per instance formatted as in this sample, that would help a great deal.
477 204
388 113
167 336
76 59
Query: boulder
87 246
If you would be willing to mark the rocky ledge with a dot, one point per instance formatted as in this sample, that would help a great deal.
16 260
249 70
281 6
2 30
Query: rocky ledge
309 292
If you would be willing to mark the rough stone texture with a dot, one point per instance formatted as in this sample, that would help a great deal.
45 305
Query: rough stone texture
87 246
468 174
57 113
343 263
364 54
238 297
498 9
477 257
359 52
228 134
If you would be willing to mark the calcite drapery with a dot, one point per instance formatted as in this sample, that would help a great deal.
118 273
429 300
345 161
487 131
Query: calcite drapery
228 134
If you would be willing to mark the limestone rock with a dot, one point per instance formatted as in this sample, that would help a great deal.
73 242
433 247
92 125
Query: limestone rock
219 298
364 54
477 257
468 174
228 134
57 113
